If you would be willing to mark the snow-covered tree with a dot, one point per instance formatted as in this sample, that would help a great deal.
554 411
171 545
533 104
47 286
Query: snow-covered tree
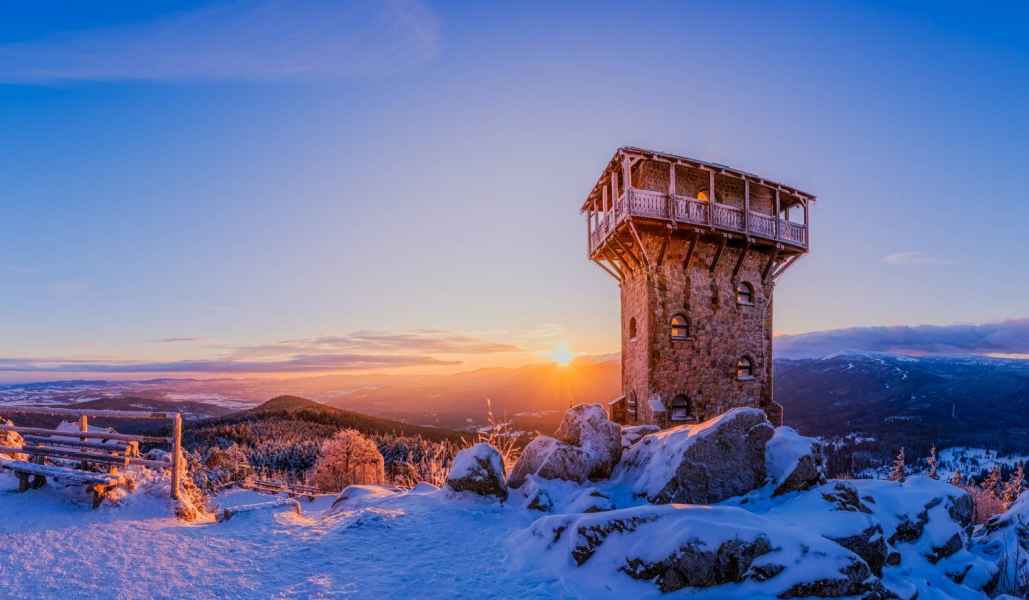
898 473
957 478
1014 487
933 463
348 458
992 485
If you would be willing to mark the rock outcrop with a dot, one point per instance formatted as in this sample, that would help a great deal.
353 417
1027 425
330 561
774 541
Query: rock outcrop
700 464
635 433
587 446
675 547
794 462
480 470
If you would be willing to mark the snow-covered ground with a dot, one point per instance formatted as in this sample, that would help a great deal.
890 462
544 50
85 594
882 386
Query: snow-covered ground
411 545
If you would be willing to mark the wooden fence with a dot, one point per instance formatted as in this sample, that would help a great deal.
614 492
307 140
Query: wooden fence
175 440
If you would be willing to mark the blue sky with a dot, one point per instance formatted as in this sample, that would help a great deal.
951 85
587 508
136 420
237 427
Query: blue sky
235 181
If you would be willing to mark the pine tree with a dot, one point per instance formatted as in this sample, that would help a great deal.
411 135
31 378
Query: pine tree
932 463
992 485
1014 487
898 473
957 478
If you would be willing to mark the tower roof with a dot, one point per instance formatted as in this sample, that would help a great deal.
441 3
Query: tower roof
685 160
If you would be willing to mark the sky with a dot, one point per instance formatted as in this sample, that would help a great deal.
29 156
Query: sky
293 187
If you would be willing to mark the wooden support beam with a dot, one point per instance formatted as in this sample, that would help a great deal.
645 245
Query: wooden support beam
609 271
689 250
786 264
643 249
664 246
739 261
613 265
177 466
626 252
718 253
771 262
711 199
778 234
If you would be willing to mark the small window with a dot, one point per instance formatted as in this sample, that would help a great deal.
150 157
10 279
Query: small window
745 369
681 409
680 328
632 328
744 293
633 407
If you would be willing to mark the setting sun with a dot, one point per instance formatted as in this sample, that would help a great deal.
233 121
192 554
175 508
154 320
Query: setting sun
561 354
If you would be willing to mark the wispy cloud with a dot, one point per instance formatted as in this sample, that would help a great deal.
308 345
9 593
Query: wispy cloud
241 40
1008 338
316 363
361 350
175 340
914 258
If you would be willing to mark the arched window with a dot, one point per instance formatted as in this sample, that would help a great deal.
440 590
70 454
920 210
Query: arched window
633 407
632 328
681 409
680 327
745 369
744 293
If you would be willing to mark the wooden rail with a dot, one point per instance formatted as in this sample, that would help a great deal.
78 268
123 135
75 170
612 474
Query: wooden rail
177 465
682 209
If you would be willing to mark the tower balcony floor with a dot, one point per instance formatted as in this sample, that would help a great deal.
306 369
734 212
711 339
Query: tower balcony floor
659 206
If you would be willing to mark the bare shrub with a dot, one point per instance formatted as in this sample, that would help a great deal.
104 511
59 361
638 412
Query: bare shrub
347 458
499 434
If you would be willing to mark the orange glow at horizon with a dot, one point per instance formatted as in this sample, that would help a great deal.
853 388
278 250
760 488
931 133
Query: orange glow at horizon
561 355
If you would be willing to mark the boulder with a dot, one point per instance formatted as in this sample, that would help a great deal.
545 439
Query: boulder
587 446
549 458
700 464
587 427
635 433
794 462
676 546
480 470
11 439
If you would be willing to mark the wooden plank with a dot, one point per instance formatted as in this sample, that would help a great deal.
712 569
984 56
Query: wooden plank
96 435
771 262
73 455
118 446
786 264
609 271
664 247
71 412
55 472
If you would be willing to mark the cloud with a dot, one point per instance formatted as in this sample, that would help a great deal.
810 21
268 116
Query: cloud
314 363
427 341
913 258
244 40
361 350
1004 338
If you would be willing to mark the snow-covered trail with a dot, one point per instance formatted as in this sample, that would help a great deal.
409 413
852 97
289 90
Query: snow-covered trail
408 546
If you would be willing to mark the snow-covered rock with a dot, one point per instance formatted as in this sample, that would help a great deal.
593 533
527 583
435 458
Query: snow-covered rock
700 464
586 426
11 439
1004 541
635 433
358 496
587 446
794 462
675 547
549 458
479 469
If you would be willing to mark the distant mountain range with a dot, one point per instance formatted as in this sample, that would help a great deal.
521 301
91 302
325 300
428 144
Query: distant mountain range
977 402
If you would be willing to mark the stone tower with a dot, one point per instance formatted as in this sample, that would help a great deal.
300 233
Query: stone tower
696 248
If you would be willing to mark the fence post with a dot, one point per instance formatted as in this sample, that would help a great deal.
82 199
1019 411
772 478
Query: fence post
176 455
83 426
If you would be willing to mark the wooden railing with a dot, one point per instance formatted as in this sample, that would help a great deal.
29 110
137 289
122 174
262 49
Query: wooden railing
82 416
683 209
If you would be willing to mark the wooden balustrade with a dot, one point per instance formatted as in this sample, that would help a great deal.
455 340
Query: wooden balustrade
659 205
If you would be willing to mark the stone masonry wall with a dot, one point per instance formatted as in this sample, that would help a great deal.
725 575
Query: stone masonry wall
703 367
